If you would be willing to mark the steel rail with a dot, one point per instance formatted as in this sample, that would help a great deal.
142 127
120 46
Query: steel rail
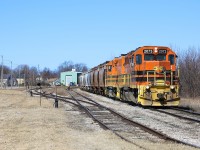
145 128
187 111
103 125
175 115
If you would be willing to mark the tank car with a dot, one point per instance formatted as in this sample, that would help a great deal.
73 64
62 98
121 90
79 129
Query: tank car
80 81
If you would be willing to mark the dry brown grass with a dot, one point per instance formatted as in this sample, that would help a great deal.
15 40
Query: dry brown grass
193 104
60 90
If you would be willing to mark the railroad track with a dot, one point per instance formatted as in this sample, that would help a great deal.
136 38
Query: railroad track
180 113
184 110
111 120
113 126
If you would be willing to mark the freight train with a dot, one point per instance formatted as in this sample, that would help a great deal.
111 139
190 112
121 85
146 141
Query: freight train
147 76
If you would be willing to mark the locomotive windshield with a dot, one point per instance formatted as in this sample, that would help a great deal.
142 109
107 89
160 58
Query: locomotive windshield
149 57
159 57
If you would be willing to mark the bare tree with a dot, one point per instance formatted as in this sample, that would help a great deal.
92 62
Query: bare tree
33 74
6 69
80 67
189 63
66 66
69 65
47 74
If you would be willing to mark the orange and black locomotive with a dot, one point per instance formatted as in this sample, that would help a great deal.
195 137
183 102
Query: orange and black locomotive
147 76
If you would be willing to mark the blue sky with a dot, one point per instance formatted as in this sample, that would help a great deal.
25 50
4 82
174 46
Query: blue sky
49 32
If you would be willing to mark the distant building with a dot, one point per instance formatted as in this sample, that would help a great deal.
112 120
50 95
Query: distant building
20 81
69 77
9 80
54 81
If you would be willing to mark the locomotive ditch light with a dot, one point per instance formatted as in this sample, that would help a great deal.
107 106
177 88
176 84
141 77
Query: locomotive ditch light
172 87
148 88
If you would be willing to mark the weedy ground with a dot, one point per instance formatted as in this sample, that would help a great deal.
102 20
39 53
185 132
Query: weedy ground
191 103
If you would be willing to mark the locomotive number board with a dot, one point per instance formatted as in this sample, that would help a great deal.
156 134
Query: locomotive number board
162 51
148 51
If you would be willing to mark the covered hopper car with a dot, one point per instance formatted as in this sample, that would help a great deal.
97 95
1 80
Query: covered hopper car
147 76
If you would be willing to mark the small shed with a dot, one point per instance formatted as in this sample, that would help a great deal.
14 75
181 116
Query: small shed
54 81
69 77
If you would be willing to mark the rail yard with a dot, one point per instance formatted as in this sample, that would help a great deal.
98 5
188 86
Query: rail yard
85 118
130 102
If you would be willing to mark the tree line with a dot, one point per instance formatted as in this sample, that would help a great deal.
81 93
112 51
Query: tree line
189 64
33 74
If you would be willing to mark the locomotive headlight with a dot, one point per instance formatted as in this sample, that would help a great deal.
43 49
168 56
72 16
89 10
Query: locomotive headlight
155 50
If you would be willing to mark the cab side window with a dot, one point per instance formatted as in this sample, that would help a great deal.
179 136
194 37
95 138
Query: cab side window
109 68
132 59
138 59
171 59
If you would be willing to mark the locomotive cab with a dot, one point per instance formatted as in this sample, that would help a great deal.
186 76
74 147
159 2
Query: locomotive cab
158 79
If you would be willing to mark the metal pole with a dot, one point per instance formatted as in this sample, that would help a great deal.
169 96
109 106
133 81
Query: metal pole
40 95
2 72
39 83
19 78
56 100
24 78
171 76
11 76
33 79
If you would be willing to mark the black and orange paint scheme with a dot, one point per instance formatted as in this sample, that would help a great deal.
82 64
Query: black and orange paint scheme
148 76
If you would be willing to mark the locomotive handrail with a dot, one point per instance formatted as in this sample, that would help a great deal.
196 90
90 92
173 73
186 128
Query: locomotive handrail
165 76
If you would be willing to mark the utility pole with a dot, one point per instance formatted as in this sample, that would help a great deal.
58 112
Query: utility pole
2 72
39 72
11 76
19 77
39 84
24 79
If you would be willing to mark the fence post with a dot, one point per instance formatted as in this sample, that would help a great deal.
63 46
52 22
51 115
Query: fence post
56 102
31 93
